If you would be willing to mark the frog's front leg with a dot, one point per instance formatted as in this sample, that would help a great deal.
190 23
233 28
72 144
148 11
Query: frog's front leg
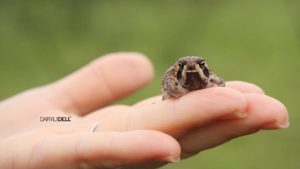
215 80
219 81
172 89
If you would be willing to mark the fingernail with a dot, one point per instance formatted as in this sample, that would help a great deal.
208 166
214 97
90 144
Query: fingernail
276 125
171 159
237 115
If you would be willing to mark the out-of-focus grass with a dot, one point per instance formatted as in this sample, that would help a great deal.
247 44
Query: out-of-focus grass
255 41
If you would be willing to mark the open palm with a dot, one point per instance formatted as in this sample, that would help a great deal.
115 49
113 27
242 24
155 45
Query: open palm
149 133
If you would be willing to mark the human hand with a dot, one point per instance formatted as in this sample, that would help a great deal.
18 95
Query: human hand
147 133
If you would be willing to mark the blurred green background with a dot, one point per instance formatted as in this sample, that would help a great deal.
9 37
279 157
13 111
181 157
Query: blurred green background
256 41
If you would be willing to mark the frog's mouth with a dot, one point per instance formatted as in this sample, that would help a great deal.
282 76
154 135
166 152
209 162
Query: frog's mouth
196 69
191 71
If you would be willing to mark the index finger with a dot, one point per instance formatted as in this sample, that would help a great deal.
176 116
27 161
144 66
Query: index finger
193 109
243 87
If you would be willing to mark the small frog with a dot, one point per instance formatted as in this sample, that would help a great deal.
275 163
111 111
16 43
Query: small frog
188 74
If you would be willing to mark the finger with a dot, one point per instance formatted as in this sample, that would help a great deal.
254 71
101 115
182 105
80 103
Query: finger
263 112
89 150
149 101
172 116
244 87
193 109
241 86
105 80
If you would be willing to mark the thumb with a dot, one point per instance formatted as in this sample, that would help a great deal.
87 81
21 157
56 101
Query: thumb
41 149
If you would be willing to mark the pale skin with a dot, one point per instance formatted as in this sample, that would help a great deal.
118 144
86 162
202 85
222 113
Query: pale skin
147 133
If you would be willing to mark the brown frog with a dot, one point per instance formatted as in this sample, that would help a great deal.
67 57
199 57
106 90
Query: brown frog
188 74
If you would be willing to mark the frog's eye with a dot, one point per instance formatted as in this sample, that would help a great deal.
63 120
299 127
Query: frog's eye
179 72
202 64
180 64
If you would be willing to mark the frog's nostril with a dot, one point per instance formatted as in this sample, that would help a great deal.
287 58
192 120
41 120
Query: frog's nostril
191 67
